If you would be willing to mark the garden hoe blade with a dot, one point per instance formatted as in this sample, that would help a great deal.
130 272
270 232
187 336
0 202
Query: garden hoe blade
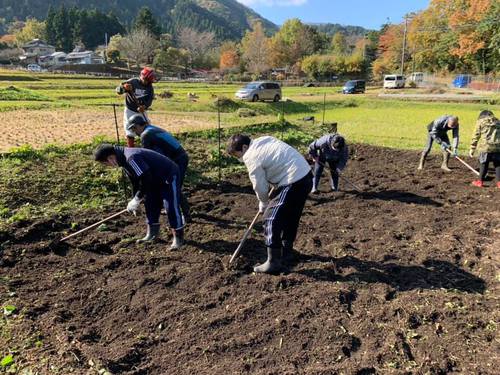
463 162
56 245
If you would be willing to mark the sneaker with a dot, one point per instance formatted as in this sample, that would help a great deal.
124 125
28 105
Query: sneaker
477 183
314 191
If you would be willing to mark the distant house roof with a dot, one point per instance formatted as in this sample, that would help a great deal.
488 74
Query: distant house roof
37 43
58 54
79 55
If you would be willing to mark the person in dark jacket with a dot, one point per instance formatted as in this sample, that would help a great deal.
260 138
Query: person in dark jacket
438 131
139 97
159 140
155 181
331 149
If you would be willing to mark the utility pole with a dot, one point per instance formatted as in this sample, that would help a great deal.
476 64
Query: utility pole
404 46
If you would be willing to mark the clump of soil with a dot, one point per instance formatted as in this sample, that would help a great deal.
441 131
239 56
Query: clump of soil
166 94
400 278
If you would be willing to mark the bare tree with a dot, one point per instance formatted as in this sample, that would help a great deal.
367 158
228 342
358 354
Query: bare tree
256 50
199 44
138 46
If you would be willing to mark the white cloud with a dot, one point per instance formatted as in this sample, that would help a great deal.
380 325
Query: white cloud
271 3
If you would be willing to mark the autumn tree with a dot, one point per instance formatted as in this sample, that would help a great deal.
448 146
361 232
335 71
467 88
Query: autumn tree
256 49
229 56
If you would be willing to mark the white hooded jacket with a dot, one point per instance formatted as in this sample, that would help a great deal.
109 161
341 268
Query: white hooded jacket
271 161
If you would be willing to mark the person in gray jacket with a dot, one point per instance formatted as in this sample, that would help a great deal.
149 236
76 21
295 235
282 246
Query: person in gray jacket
272 162
331 149
438 131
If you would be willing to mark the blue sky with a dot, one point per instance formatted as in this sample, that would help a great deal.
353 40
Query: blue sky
367 13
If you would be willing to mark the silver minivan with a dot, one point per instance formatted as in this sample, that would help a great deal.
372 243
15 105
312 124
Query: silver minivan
260 90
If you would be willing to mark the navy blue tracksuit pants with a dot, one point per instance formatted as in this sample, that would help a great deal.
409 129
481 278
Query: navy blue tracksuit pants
282 216
168 196
318 172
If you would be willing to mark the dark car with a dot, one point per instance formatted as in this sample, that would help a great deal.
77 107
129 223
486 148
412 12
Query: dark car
354 87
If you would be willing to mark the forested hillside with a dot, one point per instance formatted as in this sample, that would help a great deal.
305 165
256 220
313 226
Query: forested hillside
228 19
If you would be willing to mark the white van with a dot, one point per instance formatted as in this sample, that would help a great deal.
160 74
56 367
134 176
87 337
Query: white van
394 81
417 77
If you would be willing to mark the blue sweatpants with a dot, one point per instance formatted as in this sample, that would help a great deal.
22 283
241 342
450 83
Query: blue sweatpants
168 196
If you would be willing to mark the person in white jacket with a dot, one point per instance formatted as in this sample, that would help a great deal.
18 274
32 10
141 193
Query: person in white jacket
272 162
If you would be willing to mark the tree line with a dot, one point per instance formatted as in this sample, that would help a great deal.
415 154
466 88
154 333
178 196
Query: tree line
448 36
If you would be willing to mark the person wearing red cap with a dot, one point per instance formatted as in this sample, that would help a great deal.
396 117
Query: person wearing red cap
139 97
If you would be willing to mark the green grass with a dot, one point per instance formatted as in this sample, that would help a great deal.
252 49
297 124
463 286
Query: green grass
361 118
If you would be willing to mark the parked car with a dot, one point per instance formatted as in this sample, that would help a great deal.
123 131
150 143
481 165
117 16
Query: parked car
417 77
261 90
462 80
34 68
354 87
394 81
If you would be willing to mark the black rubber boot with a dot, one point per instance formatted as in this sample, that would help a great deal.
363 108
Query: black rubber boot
151 234
446 159
178 239
186 212
273 263
421 164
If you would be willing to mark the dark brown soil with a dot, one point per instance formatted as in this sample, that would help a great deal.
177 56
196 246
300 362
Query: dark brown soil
402 278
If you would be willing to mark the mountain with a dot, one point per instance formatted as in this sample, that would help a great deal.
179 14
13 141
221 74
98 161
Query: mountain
227 18
332 28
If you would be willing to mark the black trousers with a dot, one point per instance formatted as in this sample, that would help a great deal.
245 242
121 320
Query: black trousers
484 160
318 172
430 140
282 216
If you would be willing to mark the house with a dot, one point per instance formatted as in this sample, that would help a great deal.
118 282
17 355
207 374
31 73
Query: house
54 59
34 49
84 57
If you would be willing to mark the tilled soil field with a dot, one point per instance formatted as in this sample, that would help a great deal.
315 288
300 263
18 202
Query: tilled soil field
401 278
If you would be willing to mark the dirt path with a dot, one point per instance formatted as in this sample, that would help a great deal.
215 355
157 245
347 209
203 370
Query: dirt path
64 127
401 278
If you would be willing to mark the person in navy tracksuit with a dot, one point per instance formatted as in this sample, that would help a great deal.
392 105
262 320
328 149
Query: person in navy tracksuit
331 149
159 140
155 180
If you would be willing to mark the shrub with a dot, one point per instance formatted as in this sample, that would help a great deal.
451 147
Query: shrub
246 112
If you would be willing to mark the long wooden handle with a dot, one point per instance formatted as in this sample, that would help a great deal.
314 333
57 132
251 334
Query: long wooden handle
94 225
247 232
245 236
342 177
463 162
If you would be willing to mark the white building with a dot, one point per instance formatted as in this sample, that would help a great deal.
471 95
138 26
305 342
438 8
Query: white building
54 59
85 57
34 49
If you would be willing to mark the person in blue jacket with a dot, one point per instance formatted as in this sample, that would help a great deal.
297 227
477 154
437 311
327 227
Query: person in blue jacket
331 149
160 140
155 181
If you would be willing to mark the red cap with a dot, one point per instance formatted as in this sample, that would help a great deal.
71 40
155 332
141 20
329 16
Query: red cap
148 75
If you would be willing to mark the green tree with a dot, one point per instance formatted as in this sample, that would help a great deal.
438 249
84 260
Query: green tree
50 30
172 60
146 21
33 29
293 42
59 30
339 44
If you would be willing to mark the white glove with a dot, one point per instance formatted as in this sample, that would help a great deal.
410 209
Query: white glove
133 205
262 207
338 170
471 153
